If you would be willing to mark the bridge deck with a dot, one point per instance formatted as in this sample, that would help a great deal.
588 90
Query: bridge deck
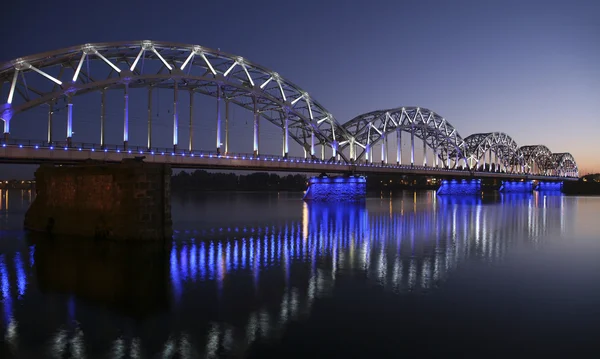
35 154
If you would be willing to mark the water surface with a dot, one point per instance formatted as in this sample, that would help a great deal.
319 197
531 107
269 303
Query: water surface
266 275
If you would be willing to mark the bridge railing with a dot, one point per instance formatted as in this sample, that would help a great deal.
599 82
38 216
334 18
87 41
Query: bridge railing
143 150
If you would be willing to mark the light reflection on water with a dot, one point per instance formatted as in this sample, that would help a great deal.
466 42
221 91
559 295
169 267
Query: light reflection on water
225 283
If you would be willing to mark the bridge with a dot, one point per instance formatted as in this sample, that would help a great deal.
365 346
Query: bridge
53 80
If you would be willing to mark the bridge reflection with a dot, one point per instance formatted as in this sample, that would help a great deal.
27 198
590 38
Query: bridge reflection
233 286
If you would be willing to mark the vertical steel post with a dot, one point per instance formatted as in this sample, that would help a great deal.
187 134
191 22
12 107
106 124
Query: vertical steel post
175 116
226 126
50 113
412 146
424 152
398 146
102 119
219 94
149 118
286 138
191 125
255 124
126 117
69 122
312 143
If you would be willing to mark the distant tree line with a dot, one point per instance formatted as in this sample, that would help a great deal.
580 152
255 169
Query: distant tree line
200 180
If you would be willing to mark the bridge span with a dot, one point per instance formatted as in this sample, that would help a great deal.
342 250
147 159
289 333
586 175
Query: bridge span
39 153
54 81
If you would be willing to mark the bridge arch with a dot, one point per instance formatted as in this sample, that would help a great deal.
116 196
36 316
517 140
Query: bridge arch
564 165
537 159
46 78
500 144
439 135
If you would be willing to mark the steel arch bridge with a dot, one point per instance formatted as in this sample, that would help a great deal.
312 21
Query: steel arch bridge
55 78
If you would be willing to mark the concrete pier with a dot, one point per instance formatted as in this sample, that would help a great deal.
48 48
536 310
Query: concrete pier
120 201
336 189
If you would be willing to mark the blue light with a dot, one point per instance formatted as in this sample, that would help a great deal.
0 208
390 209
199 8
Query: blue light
162 153
118 150
36 147
93 150
4 145
192 155
105 150
79 148
152 153
20 146
172 153
66 148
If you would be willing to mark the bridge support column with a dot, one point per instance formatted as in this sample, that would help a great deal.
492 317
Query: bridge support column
6 131
424 153
191 125
69 122
516 187
336 189
412 147
123 201
102 118
219 94
175 117
460 187
226 127
544 186
312 143
149 118
384 149
398 147
286 138
50 113
126 118
255 125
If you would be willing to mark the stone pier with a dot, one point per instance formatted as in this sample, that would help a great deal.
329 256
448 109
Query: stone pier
116 201
336 189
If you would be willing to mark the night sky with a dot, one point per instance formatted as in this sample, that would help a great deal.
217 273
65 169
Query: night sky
527 68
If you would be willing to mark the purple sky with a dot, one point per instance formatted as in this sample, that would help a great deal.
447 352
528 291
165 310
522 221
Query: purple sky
527 68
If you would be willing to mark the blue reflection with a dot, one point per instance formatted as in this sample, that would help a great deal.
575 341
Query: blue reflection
202 261
6 297
175 278
21 276
518 187
193 262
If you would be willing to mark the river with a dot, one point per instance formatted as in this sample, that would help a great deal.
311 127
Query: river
255 275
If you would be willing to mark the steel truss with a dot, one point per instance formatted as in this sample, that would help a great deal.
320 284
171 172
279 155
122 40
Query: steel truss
433 130
59 75
54 78
500 149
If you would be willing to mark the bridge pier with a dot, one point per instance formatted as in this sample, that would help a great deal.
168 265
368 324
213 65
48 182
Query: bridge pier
516 187
336 189
461 187
117 201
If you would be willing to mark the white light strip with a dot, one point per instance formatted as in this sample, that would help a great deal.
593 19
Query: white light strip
266 82
11 93
298 99
247 74
361 145
162 59
343 143
45 75
76 75
321 120
108 62
208 63
137 59
333 132
229 69
281 89
187 60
